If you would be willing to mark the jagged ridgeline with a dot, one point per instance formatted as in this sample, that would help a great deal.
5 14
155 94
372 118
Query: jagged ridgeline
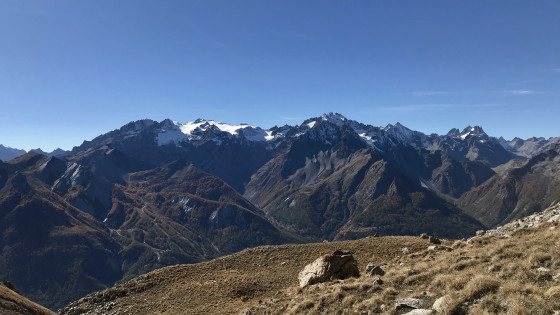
154 194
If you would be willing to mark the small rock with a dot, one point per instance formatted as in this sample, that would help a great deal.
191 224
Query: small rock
480 232
283 263
494 268
464 258
433 247
434 240
376 234
378 281
443 304
372 270
543 269
405 251
424 236
409 303
458 244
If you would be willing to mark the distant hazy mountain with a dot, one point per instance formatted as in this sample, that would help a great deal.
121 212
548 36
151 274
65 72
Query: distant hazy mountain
7 153
56 152
530 147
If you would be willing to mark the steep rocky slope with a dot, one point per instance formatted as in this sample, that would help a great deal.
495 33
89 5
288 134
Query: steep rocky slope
521 190
50 250
54 250
336 198
178 214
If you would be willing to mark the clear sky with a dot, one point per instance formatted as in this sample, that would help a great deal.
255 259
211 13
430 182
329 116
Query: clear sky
71 70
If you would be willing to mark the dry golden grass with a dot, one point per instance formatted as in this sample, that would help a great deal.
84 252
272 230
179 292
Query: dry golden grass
11 303
490 275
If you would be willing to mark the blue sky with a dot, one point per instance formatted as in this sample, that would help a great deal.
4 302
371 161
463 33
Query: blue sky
71 70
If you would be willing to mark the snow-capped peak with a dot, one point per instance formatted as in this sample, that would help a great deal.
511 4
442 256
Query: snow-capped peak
335 118
473 131
196 131
203 125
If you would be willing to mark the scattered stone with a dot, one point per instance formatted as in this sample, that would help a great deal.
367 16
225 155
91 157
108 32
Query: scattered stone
405 251
378 281
443 304
424 236
283 263
420 312
434 240
409 303
464 258
433 247
373 270
458 244
543 269
480 232
338 265
494 268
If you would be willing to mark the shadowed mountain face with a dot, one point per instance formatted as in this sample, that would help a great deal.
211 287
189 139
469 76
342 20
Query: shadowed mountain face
177 213
88 180
338 197
7 153
517 192
53 252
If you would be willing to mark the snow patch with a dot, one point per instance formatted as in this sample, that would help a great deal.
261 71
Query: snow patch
169 136
335 118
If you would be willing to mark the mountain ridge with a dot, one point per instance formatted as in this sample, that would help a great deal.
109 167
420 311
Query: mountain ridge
165 193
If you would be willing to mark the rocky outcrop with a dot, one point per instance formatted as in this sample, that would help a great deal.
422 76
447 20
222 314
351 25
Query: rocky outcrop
410 303
338 265
443 304
373 270
550 215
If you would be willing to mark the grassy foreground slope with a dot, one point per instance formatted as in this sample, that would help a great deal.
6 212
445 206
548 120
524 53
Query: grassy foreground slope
514 269
12 303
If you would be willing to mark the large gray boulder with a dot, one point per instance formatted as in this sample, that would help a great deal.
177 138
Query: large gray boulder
338 265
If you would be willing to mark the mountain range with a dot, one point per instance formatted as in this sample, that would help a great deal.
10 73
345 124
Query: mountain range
7 153
152 194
